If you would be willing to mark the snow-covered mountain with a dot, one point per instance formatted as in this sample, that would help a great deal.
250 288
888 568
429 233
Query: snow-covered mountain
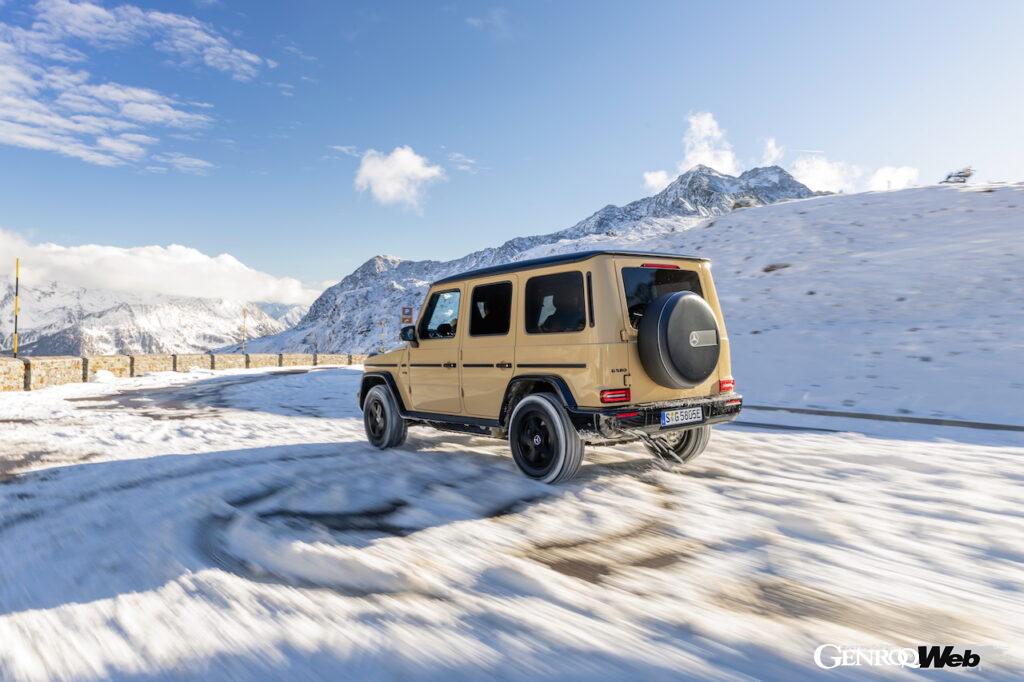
287 314
347 317
57 320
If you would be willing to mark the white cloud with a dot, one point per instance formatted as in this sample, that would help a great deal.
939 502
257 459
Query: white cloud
126 146
194 42
60 111
173 270
190 40
463 163
96 25
139 139
772 153
295 50
893 177
705 144
48 106
821 174
655 181
183 163
396 178
494 20
346 149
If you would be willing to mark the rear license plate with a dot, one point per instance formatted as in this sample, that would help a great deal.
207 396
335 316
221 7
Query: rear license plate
686 415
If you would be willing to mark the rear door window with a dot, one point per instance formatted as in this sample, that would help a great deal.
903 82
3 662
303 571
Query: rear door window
643 285
491 309
554 303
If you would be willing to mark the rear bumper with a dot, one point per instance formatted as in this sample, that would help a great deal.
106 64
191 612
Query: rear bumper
628 422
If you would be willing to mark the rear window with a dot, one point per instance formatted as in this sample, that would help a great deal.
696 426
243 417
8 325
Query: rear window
554 303
643 285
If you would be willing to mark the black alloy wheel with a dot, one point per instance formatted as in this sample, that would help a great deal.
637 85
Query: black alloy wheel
385 427
545 444
538 443
376 420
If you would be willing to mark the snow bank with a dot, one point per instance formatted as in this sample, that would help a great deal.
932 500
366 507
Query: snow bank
103 376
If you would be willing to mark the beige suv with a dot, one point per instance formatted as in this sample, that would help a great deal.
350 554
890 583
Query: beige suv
598 347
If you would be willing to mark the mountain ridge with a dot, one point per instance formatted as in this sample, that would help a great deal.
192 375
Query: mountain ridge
347 316
57 319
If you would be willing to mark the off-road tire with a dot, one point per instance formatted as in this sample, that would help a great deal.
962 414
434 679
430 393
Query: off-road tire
545 445
384 426
684 447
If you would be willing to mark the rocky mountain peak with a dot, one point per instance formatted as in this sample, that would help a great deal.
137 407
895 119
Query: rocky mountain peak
346 317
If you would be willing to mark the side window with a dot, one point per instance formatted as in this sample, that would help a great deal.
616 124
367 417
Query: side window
554 303
490 309
441 318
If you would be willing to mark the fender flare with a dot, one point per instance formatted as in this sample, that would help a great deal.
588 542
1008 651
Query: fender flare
371 379
557 383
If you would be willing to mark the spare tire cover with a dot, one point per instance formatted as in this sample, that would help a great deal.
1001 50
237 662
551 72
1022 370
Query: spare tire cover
678 340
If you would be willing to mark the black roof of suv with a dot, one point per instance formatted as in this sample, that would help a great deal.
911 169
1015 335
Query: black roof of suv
557 259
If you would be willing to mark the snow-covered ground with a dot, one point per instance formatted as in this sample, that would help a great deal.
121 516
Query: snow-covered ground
237 526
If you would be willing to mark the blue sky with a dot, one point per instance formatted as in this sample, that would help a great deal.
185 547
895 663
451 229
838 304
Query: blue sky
304 137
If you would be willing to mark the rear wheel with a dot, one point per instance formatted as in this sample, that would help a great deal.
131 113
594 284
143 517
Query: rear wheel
682 447
384 426
545 444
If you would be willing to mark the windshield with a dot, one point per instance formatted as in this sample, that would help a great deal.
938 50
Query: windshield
643 285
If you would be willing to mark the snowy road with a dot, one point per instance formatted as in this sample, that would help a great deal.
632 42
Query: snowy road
237 526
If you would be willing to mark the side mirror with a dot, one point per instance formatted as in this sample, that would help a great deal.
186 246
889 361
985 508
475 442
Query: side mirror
409 334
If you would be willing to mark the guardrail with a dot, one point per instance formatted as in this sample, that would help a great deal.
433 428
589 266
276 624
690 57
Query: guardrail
904 419
35 372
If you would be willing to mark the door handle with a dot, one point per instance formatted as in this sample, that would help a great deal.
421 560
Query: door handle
450 365
504 365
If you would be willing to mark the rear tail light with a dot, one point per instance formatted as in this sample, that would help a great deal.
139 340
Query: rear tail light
616 395
660 266
726 385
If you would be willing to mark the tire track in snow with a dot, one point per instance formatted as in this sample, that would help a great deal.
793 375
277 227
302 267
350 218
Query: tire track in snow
204 470
374 519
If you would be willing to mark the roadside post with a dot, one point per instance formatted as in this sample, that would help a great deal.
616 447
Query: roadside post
245 329
17 301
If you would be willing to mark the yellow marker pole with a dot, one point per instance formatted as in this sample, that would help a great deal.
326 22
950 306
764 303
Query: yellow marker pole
17 301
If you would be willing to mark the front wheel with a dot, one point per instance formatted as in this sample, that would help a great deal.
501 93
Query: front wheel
545 444
683 447
384 426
